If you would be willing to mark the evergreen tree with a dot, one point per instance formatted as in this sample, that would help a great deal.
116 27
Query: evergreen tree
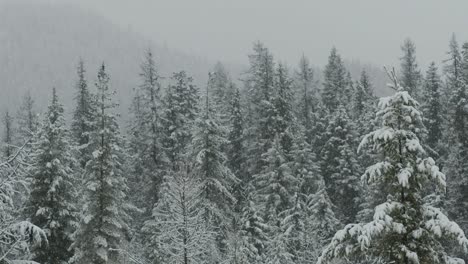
432 107
8 136
179 113
276 184
306 96
363 96
51 204
147 132
17 236
260 89
457 138
410 74
210 165
105 218
82 123
282 103
181 233
236 157
335 82
27 118
405 228
339 165
321 222
223 90
254 231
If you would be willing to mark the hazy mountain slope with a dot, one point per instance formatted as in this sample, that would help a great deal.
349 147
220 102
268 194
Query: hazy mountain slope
40 45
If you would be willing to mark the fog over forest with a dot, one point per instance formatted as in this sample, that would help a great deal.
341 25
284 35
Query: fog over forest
229 132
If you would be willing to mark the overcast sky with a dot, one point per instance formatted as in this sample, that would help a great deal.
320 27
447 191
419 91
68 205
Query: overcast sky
369 30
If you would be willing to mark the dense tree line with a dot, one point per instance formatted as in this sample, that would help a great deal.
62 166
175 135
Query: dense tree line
263 171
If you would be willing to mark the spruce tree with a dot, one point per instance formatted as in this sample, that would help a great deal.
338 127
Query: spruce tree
306 96
180 231
432 107
27 118
17 236
410 74
321 222
236 157
216 177
456 136
260 89
53 196
339 165
105 217
363 96
180 109
405 228
147 132
82 116
8 136
335 82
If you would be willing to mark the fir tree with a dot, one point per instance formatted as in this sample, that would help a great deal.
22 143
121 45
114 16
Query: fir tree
210 164
27 118
51 204
432 107
181 233
236 157
339 165
306 96
82 116
335 83
180 109
105 219
405 228
147 132
276 184
8 136
260 88
17 236
363 96
410 74
321 222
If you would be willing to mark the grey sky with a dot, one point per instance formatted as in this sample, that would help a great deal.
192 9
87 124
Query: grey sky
369 30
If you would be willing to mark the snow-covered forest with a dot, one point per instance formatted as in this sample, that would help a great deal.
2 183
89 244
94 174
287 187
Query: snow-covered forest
280 163
281 169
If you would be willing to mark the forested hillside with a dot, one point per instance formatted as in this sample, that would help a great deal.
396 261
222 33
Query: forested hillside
144 155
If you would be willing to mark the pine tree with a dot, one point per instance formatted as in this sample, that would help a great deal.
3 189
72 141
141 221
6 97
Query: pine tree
105 217
410 74
180 109
405 228
82 123
335 82
51 204
432 107
8 135
181 233
27 118
339 165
